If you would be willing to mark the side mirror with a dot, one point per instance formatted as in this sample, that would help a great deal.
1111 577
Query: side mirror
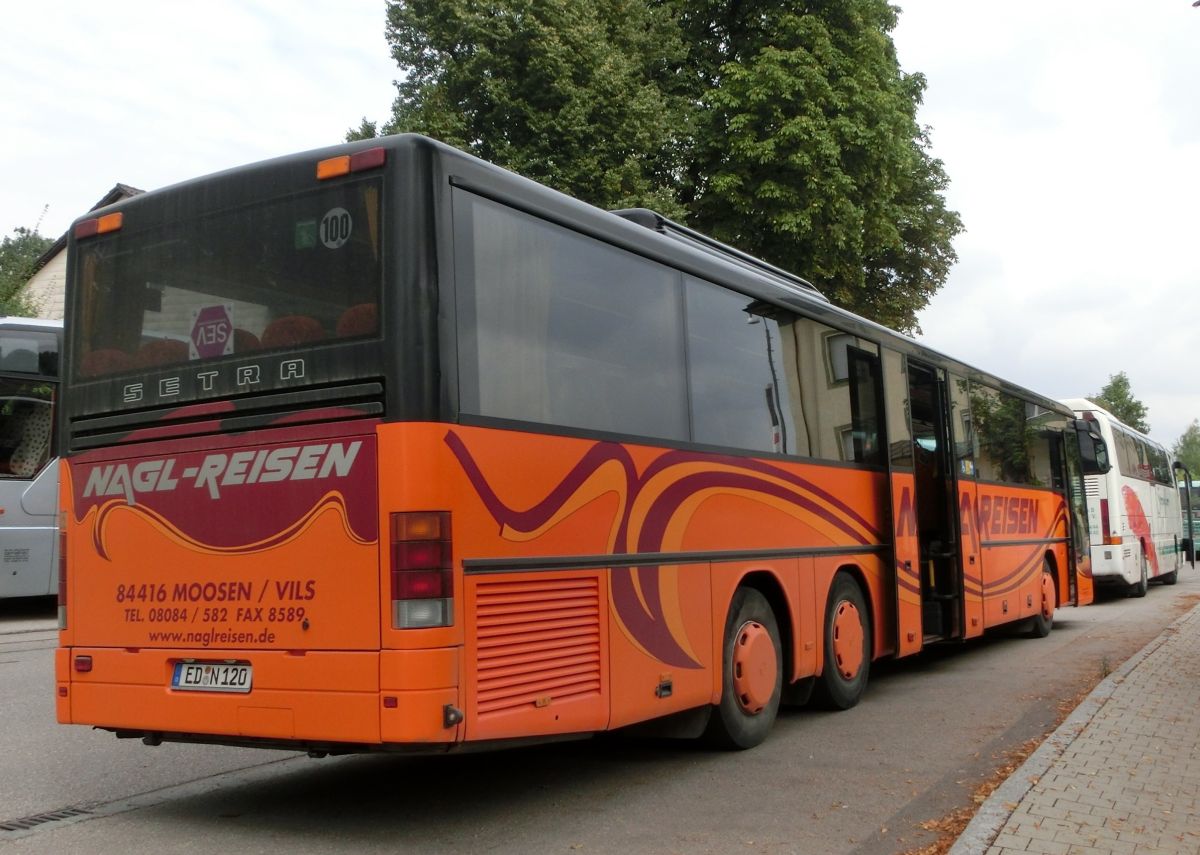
1188 543
1093 450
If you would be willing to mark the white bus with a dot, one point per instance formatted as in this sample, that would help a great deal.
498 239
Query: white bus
28 465
1134 510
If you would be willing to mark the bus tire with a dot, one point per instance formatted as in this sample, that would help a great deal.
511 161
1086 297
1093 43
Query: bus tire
1139 588
847 659
1043 620
752 674
1169 578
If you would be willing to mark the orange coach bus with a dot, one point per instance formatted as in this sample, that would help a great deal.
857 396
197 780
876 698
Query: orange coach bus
382 447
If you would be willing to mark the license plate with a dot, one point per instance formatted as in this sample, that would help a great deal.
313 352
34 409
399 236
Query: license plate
212 676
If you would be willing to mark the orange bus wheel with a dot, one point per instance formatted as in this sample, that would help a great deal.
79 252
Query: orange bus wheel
847 659
1041 623
752 674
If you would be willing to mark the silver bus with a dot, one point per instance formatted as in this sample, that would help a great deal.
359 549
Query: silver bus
28 460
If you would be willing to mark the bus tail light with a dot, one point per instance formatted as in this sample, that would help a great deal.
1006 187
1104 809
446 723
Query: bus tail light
1106 536
62 572
421 562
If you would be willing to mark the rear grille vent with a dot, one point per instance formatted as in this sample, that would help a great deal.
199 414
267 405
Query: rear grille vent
1091 486
304 406
537 643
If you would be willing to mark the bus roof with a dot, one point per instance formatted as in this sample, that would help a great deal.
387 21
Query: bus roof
734 269
1080 405
12 322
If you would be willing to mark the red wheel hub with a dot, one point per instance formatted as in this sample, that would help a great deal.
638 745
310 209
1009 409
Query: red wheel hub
847 639
755 667
1049 600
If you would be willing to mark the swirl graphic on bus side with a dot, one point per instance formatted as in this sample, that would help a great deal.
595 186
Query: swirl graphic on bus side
1140 526
654 510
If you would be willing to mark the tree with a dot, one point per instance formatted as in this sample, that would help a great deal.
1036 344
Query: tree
810 155
1187 448
562 91
18 255
1005 435
365 131
790 134
1117 398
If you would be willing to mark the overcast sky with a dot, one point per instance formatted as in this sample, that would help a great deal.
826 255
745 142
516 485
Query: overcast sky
1071 135
1069 128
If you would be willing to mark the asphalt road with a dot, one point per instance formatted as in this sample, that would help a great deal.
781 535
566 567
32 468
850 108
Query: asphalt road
863 781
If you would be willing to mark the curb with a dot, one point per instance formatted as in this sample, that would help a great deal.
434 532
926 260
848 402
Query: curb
999 806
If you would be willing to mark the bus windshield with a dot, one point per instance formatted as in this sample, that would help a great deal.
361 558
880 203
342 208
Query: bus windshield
292 272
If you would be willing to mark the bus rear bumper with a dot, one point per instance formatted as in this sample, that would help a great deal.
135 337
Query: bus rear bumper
1110 568
296 698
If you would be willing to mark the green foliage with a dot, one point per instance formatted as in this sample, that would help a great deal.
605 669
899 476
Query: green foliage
19 253
788 131
366 131
562 91
1117 398
1187 448
811 155
1005 435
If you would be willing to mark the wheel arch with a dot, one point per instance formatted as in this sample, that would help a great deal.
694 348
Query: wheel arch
1051 561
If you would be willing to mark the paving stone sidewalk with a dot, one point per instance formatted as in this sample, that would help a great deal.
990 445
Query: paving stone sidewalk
1120 775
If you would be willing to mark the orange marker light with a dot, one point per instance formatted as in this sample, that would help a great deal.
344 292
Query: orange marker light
421 525
333 167
110 222
99 225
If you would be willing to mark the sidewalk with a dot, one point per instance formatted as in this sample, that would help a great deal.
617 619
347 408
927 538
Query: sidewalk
1120 775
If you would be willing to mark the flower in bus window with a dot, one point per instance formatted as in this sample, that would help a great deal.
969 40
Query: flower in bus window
245 341
105 361
161 351
292 330
362 319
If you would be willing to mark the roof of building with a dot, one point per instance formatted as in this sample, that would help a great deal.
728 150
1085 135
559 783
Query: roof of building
118 192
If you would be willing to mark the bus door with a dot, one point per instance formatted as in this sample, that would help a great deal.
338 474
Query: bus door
1188 543
28 489
906 561
936 505
970 539
924 511
1079 590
